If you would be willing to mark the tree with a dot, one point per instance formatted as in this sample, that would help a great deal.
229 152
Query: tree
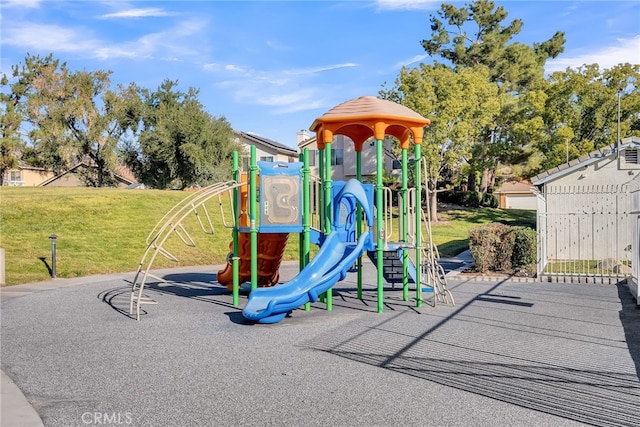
19 115
180 144
72 117
459 104
11 143
581 112
474 35
514 66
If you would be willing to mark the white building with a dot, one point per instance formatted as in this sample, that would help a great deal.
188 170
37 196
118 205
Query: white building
584 206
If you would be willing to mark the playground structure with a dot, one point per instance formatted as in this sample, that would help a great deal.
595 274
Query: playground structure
271 248
352 219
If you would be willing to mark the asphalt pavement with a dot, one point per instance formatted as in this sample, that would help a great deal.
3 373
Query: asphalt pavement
507 353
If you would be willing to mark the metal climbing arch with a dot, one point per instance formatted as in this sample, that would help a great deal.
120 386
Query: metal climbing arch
172 224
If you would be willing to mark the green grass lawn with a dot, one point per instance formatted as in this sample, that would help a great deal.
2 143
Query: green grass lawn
452 232
104 231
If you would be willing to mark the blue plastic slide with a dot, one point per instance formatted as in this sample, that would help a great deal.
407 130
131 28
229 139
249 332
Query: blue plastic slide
330 265
336 255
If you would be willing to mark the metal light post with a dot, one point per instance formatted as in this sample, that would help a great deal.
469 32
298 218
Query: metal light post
53 238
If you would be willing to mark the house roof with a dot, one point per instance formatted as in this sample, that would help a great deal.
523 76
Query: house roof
23 166
122 174
515 187
585 160
280 148
307 142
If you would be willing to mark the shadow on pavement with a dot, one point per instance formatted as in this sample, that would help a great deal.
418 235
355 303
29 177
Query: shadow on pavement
539 381
630 318
197 286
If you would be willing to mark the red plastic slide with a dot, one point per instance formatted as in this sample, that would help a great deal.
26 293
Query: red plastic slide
270 252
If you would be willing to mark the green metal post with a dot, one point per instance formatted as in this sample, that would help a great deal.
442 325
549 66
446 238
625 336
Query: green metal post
301 236
327 208
418 210
404 203
236 209
321 210
306 215
359 223
379 224
253 211
321 195
327 188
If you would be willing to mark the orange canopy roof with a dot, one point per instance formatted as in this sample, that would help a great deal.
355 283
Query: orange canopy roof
368 116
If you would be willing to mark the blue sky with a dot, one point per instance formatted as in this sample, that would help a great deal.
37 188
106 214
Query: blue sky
270 67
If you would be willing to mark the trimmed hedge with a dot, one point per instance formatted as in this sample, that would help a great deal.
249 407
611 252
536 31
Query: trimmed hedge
524 247
472 199
503 248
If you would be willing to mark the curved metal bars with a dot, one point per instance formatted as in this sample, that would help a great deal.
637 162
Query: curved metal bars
171 223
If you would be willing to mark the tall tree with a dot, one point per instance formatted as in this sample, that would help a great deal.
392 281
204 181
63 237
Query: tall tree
459 104
71 117
581 112
11 141
20 115
180 144
475 35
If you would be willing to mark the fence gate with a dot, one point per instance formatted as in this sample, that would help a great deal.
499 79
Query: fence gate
585 234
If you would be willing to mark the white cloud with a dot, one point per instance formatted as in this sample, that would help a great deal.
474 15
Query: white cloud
51 38
174 44
308 104
235 68
283 91
136 13
109 52
624 50
27 4
321 69
413 60
285 99
292 101
407 4
276 46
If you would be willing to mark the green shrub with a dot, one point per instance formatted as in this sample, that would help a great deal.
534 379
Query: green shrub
490 201
472 199
524 247
488 244
500 247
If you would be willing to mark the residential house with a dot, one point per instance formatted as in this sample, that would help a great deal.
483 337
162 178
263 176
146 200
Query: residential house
516 195
39 177
584 215
343 157
26 176
266 149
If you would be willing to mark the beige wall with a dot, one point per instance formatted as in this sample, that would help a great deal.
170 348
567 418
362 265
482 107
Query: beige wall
518 201
27 177
262 151
348 168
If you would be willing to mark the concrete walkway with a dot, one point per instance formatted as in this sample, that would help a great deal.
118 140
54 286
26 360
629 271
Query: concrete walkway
525 354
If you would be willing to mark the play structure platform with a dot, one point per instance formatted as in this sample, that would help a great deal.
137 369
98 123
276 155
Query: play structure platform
347 220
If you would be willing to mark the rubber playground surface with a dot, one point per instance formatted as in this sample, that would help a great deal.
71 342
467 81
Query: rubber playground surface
517 354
